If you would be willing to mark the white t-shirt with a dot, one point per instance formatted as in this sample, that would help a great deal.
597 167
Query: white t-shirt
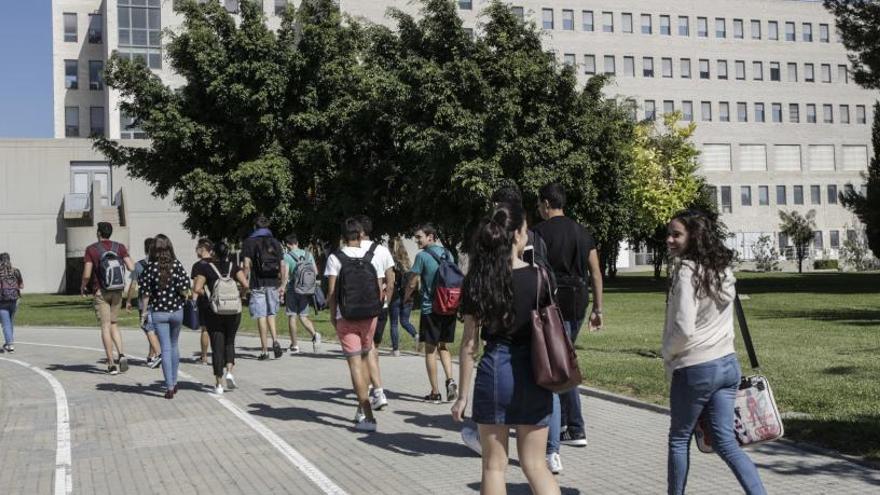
382 254
379 261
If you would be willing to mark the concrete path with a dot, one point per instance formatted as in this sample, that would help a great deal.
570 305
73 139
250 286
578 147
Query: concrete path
288 429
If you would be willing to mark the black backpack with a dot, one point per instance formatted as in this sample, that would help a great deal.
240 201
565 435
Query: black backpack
267 258
357 287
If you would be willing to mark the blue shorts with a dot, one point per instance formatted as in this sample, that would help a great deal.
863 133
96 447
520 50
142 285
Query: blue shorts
297 304
505 391
263 302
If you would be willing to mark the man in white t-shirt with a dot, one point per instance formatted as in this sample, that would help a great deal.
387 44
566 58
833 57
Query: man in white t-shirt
385 267
355 304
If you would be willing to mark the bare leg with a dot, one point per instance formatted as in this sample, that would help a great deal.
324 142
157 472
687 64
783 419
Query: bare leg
531 443
309 326
445 360
373 367
117 337
262 325
155 349
357 366
291 327
206 341
493 439
431 366
271 321
107 340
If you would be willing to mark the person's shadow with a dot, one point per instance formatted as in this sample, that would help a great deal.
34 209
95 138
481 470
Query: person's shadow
524 489
415 444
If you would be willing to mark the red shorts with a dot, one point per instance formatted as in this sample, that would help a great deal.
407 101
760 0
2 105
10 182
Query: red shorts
356 336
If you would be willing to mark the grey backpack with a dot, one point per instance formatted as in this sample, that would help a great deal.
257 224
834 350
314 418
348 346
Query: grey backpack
305 276
224 296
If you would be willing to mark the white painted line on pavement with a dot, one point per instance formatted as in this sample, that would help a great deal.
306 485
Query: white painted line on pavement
63 469
291 454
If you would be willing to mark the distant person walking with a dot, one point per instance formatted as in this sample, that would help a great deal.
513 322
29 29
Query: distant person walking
302 276
154 351
165 287
500 291
204 248
11 285
267 277
104 275
399 311
698 350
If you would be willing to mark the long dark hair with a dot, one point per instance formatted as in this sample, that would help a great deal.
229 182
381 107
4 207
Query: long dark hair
163 254
705 247
488 286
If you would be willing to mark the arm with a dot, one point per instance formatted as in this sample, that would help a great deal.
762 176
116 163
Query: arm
87 275
132 288
247 267
129 265
596 319
331 298
199 286
389 284
283 271
470 346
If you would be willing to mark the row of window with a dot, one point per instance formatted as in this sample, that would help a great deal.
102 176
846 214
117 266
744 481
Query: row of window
782 196
719 157
140 31
96 124
96 74
95 33
758 113
683 28
704 69
818 239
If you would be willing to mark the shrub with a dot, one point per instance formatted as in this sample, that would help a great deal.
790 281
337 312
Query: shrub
766 255
825 265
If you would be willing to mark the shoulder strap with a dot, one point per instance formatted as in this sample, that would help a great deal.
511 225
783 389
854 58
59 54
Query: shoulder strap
101 249
342 257
218 271
744 329
114 247
369 256
434 255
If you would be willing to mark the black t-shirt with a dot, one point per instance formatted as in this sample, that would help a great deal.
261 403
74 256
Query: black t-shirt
203 300
525 299
249 249
204 269
568 247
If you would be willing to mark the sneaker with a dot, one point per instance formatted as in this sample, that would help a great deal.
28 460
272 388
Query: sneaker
470 435
451 390
276 349
123 363
554 463
366 425
263 356
395 353
169 394
112 369
218 390
378 401
8 348
435 398
573 438
155 362
359 415
316 341
294 349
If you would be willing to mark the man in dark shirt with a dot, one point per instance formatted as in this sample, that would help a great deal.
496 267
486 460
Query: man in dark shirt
571 253
267 273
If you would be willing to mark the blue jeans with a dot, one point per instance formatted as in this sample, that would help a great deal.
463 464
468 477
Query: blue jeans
400 314
553 436
711 386
7 315
167 326
570 402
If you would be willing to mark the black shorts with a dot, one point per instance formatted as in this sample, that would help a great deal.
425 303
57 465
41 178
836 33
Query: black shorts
434 329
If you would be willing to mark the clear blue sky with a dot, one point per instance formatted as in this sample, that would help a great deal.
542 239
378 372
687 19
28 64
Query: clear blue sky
26 56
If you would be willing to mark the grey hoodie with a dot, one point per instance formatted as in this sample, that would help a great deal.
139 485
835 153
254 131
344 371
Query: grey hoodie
698 329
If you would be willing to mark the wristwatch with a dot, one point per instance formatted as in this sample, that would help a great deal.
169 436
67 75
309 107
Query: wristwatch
597 312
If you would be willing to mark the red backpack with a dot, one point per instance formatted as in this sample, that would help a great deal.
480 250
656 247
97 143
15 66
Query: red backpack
447 285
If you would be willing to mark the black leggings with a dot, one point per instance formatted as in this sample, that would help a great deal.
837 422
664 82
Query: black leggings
222 329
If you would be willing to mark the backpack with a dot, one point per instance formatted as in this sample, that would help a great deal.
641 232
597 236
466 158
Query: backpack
357 287
447 285
111 269
224 296
267 258
305 276
9 285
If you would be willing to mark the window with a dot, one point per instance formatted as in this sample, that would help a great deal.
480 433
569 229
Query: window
589 64
96 121
792 72
763 195
798 195
832 194
835 238
702 27
646 24
758 71
650 110
71 74
828 114
232 6
807 31
684 25
726 200
776 111
128 129
817 240
759 112
704 69
815 195
860 114
722 69
96 75
519 12
851 235
71 121
665 25
462 4
809 73
569 59
706 111
281 6
648 66
738 31
666 67
568 20
685 68
774 71
140 30
715 157
632 109
756 29
780 195
794 113
547 18
811 113
720 27
823 33
723 111
687 111
826 73
712 192
609 65
629 66
745 195
586 20
96 29
844 114
70 31
740 68
783 240
626 21
668 107
789 31
842 74
742 111
607 22
773 30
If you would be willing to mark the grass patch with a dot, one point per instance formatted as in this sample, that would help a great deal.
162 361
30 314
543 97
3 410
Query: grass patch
817 336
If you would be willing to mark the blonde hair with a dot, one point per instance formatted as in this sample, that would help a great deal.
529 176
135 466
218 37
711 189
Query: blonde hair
400 255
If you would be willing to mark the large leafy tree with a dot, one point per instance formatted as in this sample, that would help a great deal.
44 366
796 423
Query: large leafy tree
866 206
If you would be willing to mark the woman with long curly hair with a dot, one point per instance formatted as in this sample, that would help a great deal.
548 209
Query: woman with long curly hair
11 284
399 310
499 292
698 348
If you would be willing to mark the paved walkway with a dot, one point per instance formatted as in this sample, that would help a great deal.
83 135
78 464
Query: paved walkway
288 429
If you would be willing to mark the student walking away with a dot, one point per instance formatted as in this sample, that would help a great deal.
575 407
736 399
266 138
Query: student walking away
106 264
571 253
204 249
215 280
698 350
398 311
11 285
302 276
154 351
499 294
355 300
436 330
267 277
385 270
165 287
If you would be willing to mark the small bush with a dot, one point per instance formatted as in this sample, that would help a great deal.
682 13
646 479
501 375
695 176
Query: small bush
825 265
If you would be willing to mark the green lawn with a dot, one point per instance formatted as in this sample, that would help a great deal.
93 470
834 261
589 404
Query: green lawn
817 336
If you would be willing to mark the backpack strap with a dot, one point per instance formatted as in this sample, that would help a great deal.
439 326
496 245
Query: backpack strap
436 256
369 256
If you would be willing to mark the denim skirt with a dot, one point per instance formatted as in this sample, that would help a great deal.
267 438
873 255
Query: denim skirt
505 392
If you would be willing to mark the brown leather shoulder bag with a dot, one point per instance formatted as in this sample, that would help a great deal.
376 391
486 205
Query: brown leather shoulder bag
554 361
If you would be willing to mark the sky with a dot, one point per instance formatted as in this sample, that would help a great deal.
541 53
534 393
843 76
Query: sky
26 78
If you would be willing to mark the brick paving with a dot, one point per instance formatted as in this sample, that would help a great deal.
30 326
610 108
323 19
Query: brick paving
126 438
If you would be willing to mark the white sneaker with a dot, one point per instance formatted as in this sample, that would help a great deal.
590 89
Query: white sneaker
554 463
366 425
395 353
316 341
378 400
359 415
294 350
218 390
470 435
230 381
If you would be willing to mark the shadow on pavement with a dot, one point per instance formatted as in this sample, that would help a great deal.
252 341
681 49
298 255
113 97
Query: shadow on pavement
443 421
415 444
301 414
341 396
523 488
78 368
